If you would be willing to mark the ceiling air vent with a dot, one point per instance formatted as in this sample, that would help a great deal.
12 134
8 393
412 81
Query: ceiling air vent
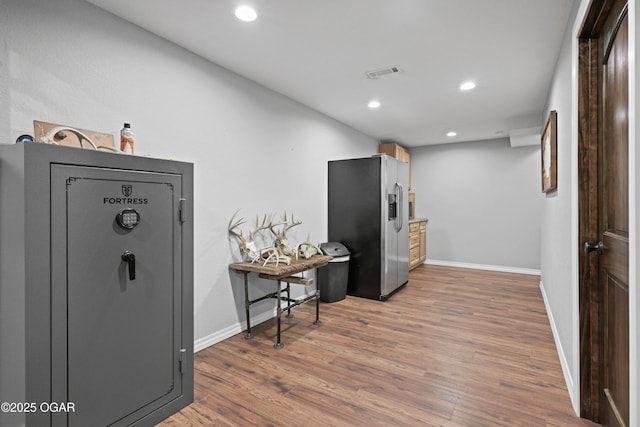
376 74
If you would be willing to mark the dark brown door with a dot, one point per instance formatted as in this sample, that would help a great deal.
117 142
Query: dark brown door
614 219
604 219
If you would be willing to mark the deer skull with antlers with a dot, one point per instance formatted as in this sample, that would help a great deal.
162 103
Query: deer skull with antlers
307 249
281 242
248 247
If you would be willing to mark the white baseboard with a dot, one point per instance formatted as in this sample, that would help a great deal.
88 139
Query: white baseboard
484 267
216 337
575 400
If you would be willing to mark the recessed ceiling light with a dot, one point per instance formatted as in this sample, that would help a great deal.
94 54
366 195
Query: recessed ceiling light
373 104
246 13
467 86
451 134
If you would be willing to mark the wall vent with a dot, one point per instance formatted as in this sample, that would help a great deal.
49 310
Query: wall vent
376 74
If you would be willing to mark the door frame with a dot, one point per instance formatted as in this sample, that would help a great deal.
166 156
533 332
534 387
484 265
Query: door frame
582 389
588 296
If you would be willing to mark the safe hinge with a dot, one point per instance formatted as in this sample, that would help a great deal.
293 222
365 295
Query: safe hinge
182 208
181 360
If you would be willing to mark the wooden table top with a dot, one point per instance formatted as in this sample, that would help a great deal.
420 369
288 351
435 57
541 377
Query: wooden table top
282 270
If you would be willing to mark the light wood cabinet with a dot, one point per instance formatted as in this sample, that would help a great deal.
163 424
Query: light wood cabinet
417 243
397 151
423 241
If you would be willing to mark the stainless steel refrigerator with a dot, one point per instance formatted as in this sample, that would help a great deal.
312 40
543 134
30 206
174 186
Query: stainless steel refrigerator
368 213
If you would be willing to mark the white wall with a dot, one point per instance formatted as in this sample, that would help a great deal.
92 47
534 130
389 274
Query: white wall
558 259
483 202
69 62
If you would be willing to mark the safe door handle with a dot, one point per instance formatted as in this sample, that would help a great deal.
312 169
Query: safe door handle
130 259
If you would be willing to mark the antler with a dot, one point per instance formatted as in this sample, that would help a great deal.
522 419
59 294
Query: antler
287 226
290 225
233 225
275 233
260 227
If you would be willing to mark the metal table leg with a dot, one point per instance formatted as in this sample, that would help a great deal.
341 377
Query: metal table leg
317 307
247 304
289 300
278 344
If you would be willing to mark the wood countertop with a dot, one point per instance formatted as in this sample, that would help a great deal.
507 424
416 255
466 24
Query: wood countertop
418 220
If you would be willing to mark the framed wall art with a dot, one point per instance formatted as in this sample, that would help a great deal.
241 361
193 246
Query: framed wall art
549 151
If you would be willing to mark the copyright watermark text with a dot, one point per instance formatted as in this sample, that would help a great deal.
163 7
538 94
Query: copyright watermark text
31 407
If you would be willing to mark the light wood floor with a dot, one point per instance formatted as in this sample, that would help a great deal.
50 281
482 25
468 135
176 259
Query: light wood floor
455 347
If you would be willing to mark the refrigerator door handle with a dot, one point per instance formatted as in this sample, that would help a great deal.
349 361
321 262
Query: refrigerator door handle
400 215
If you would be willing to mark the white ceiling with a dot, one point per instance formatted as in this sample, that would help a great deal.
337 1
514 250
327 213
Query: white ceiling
317 52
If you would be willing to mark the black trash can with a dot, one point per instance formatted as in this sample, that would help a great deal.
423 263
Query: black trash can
333 278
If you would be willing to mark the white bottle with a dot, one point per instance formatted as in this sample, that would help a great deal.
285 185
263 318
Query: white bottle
126 139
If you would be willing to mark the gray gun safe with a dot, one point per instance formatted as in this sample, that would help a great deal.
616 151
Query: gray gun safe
96 287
